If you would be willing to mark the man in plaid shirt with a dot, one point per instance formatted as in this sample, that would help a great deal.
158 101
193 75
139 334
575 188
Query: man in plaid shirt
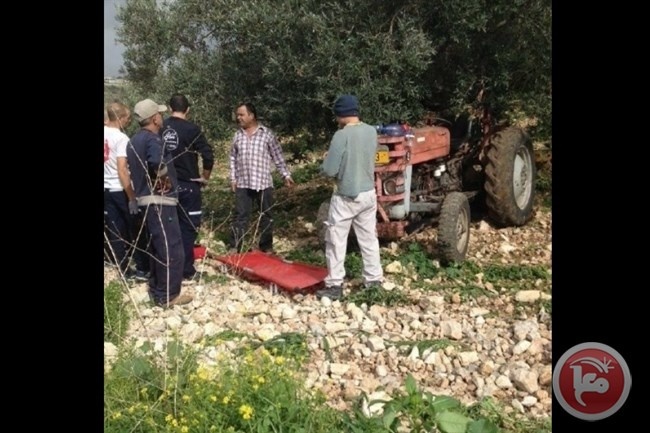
253 148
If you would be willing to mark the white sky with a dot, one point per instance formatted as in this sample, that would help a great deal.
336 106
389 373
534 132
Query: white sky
112 50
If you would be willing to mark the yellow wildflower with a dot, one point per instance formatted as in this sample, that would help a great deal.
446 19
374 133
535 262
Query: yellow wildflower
213 397
186 398
248 358
245 411
260 379
225 400
203 373
185 429
169 417
131 409
279 360
117 415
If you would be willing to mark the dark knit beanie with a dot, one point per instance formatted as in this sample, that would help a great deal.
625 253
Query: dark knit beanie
346 105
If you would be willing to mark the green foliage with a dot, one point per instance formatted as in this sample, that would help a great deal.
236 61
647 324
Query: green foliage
376 295
495 414
464 270
306 172
291 59
257 392
307 255
287 344
228 335
415 410
419 260
143 386
494 273
544 187
423 345
353 265
261 390
116 313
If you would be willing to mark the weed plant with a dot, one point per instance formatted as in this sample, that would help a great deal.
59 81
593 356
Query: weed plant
116 313
260 390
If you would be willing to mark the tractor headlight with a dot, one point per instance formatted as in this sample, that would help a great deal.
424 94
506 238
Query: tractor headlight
391 187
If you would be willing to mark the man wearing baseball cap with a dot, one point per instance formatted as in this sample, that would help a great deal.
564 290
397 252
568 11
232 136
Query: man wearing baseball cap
155 184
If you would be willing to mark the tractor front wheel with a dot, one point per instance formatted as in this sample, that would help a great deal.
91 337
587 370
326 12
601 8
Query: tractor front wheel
453 228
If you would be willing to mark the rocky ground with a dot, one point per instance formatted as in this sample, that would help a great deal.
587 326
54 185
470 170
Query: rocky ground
498 348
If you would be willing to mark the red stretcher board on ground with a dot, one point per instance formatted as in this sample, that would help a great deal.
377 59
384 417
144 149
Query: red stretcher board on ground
289 276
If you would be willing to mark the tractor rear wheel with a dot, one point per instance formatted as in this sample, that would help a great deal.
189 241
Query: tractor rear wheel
510 177
453 228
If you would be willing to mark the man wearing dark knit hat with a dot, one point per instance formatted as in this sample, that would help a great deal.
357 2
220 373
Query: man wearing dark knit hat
350 161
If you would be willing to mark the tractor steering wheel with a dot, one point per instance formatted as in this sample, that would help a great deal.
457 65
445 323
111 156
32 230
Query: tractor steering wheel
439 121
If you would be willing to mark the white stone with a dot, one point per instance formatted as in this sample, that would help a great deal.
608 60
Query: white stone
394 268
503 382
376 343
451 329
110 350
325 301
288 313
467 358
529 401
338 369
521 347
527 295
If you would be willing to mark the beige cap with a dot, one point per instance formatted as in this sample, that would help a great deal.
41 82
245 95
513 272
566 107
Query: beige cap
147 108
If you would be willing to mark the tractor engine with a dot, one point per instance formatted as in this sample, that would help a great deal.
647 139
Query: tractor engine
432 181
411 175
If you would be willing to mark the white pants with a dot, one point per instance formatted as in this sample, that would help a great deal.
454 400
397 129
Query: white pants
343 213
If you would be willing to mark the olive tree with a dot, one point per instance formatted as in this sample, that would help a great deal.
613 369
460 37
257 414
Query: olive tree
292 58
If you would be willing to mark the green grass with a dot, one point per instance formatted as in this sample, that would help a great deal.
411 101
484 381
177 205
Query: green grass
422 345
261 390
378 296
288 344
307 255
116 313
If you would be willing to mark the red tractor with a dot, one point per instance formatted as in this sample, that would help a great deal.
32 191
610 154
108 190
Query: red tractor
429 175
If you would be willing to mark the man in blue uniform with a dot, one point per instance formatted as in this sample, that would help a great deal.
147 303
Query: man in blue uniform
186 142
155 184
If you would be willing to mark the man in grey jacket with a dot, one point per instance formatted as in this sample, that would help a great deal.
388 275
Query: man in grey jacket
350 161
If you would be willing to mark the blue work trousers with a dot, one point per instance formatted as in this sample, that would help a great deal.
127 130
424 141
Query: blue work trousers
166 248
189 219
123 231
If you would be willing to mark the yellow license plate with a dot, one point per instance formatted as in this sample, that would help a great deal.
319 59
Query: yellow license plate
381 157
